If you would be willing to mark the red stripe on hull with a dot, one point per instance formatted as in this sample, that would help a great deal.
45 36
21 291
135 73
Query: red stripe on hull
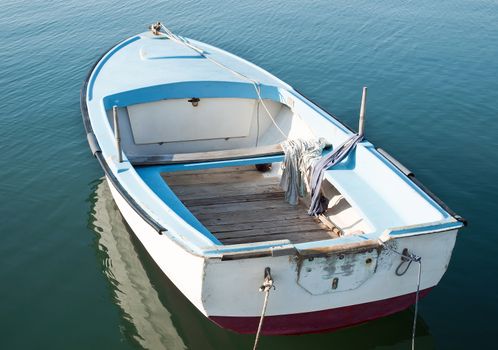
319 321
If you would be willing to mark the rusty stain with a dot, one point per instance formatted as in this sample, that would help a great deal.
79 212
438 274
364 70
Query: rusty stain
335 282
329 266
342 248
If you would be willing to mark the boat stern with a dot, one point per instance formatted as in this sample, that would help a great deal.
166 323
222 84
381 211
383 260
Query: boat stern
323 291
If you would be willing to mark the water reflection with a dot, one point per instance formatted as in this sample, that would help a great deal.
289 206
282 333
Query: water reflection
152 327
158 316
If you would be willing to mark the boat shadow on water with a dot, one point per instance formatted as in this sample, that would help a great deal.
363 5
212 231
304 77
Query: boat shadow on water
156 315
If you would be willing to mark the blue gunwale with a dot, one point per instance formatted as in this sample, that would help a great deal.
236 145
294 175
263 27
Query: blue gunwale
442 226
269 92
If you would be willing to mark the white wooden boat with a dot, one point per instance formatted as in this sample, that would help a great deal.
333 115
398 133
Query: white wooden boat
178 127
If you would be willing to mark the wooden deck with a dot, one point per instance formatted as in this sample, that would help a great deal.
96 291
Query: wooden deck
242 205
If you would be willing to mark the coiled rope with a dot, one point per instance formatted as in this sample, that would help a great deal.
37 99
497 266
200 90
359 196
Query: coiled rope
265 287
255 83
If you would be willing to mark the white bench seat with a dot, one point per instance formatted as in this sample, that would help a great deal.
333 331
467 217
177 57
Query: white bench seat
210 156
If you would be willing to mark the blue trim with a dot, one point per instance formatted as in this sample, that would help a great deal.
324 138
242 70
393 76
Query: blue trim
443 226
211 165
188 89
152 177
104 60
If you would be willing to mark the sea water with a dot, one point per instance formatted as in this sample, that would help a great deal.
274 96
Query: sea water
72 276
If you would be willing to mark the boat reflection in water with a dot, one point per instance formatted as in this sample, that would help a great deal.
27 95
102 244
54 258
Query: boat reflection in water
151 322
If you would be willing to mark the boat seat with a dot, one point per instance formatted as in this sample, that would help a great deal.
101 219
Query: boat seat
210 156
359 193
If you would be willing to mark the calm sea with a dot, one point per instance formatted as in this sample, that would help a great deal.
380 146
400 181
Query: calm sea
72 277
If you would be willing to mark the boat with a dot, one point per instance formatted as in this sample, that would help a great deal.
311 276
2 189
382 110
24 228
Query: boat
192 141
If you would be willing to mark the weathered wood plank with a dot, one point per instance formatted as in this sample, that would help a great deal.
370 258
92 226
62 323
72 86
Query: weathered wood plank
330 225
294 237
197 179
253 225
242 205
258 197
237 232
252 216
214 191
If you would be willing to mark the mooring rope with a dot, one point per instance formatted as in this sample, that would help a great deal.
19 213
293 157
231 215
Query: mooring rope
265 287
409 257
255 83
419 261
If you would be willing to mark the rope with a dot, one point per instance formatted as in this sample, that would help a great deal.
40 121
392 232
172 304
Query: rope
266 287
257 124
419 261
409 257
256 84
300 155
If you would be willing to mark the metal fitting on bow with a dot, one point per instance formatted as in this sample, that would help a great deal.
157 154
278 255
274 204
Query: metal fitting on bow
267 282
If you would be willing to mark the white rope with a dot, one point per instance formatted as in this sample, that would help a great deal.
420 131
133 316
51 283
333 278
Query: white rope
257 124
256 84
261 319
419 261
257 87
266 287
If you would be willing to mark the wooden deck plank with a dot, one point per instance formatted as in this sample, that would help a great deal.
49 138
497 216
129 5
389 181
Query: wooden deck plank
207 201
298 237
253 216
197 179
253 225
215 191
242 205
237 232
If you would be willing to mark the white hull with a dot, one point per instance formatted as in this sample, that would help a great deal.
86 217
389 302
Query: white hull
230 287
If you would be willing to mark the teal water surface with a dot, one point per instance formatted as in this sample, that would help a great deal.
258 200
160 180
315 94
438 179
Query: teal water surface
72 276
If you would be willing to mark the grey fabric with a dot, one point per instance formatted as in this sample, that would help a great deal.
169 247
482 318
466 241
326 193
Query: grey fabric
298 161
317 205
